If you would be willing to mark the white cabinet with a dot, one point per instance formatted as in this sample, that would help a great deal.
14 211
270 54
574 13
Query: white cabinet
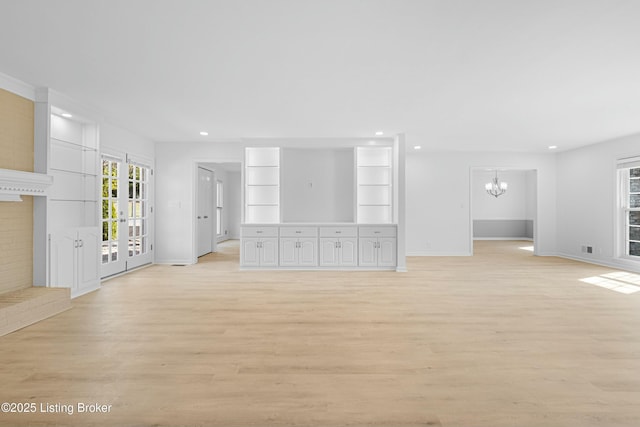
377 246
259 247
74 259
338 247
298 246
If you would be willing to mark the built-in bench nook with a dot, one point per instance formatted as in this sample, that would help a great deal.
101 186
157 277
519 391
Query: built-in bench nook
27 306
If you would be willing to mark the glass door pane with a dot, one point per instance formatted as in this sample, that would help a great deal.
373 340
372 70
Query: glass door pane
138 210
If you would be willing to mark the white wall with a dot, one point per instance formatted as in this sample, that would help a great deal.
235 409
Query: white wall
176 166
438 198
530 194
118 140
587 200
317 185
233 204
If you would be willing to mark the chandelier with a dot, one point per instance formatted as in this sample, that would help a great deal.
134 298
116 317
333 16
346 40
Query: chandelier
496 188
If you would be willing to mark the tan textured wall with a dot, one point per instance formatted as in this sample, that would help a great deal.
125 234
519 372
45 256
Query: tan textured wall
16 219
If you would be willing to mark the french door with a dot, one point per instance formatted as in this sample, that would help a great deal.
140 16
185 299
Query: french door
126 215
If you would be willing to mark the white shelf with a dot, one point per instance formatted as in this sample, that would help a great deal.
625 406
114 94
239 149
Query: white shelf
262 185
374 189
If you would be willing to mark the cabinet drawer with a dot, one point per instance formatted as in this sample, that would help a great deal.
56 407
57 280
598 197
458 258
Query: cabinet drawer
298 232
338 232
260 231
377 231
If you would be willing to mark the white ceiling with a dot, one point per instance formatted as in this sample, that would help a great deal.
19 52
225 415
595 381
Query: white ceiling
451 74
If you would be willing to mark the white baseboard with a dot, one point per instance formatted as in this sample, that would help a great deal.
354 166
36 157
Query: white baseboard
614 263
432 253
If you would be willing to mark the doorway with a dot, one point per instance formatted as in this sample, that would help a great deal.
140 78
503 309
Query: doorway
126 200
508 216
217 205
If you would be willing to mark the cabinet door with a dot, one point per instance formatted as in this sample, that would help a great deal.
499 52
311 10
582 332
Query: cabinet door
250 252
62 259
308 252
349 252
387 252
328 252
269 252
368 252
89 240
288 251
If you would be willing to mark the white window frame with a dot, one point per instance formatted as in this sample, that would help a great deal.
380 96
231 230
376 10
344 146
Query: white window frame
623 176
219 208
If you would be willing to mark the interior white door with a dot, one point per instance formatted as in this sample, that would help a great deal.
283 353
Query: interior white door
204 210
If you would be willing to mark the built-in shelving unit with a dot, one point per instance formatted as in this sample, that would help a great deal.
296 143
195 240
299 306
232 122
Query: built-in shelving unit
374 189
262 185
67 235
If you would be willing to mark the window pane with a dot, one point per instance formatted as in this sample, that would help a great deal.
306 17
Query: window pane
105 231
131 225
105 209
634 218
130 189
635 185
137 172
130 171
635 172
114 230
105 252
137 190
144 245
114 188
114 169
105 167
634 248
634 233
114 251
105 187
634 200
143 191
144 227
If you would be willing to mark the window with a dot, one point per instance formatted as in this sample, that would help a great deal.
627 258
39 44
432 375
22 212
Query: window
629 176
219 197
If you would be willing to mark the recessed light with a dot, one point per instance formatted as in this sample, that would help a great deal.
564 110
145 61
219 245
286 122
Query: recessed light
417 147
379 133
553 147
203 133
67 115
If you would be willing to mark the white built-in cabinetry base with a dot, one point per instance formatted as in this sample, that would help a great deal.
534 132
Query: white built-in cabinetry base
318 247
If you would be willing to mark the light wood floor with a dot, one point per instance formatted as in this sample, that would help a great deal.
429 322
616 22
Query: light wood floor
499 339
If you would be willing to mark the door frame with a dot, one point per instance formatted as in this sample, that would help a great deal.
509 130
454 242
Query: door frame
126 159
214 191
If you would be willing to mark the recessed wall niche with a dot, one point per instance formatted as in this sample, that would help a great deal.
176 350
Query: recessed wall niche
317 185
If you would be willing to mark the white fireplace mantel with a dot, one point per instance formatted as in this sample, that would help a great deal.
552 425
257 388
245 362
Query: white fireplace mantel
14 184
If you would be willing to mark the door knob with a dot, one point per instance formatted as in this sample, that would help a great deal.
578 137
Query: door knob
199 217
